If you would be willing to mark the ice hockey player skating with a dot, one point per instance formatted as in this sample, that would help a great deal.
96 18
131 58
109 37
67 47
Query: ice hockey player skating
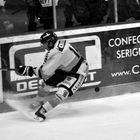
63 67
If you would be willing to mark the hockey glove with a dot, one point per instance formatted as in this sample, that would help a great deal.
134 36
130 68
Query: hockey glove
25 70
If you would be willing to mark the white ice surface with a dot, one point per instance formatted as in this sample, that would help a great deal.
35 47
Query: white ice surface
111 118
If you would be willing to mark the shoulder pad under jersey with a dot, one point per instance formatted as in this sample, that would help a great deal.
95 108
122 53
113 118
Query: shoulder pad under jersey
61 44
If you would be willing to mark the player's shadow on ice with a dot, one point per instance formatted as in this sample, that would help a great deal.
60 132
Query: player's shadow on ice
69 112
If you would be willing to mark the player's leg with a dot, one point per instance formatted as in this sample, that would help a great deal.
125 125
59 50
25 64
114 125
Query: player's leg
65 89
60 96
41 96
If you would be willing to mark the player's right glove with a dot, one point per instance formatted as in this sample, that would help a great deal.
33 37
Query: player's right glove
25 70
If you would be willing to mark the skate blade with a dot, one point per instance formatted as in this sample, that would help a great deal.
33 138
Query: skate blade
38 119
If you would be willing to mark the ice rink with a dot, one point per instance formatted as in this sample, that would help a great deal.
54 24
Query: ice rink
110 118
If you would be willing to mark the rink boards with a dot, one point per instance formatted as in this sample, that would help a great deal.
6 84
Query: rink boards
112 51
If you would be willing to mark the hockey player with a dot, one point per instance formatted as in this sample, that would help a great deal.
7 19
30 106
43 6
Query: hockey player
63 67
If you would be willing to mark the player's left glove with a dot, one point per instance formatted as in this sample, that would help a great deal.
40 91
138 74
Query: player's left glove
25 70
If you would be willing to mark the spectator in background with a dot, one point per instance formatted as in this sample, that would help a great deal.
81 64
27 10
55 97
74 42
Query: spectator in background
97 10
46 14
86 12
81 11
40 10
134 9
68 12
128 10
33 9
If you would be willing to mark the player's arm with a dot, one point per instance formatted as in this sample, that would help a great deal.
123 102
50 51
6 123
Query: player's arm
43 72
48 69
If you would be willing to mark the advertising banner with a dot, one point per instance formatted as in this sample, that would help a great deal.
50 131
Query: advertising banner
112 52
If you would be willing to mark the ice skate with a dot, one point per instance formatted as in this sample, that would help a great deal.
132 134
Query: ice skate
39 115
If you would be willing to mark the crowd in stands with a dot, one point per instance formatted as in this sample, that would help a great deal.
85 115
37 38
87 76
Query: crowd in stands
85 12
75 12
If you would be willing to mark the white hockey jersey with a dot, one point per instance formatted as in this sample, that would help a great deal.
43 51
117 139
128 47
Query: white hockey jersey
63 56
47 3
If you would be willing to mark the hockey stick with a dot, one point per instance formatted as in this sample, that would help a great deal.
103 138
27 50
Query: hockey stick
7 69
